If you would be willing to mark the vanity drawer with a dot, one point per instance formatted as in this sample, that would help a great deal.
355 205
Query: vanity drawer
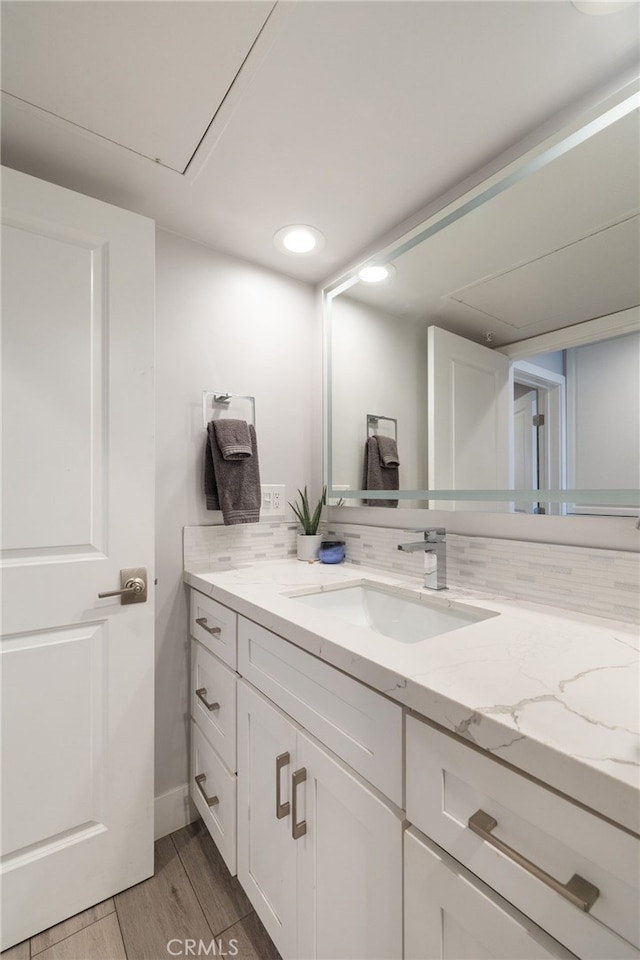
213 701
449 782
449 913
220 817
214 626
361 726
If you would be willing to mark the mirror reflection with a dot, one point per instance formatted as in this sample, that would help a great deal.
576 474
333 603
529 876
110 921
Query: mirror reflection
502 352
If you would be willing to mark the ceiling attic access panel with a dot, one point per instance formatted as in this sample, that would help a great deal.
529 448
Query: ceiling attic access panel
149 77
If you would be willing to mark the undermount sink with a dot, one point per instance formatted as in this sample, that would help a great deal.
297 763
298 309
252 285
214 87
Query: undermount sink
391 612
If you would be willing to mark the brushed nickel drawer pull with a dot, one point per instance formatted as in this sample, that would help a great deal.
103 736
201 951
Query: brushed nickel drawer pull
201 779
297 829
577 891
214 631
201 694
282 809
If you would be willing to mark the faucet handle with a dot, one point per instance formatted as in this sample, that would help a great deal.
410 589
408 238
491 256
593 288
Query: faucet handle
435 534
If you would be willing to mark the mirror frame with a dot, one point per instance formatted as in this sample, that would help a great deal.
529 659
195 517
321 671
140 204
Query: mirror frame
606 112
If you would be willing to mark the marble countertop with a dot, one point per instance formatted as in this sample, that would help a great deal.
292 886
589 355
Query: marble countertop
554 693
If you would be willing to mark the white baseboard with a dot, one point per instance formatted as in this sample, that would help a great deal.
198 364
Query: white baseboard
173 810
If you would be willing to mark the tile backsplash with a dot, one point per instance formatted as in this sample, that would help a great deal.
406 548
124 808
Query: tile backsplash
241 542
604 583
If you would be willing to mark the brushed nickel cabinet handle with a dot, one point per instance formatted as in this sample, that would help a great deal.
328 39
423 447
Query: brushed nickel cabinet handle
201 694
282 809
201 779
577 891
214 631
297 829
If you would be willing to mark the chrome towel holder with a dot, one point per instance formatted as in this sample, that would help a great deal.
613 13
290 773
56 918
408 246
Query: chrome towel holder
222 400
372 425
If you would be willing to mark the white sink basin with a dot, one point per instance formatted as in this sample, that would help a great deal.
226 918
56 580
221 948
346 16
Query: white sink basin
391 612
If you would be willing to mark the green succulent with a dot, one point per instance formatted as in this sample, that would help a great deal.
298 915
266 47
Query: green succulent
308 519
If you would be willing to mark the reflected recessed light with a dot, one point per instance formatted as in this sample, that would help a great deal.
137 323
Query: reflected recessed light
298 238
376 272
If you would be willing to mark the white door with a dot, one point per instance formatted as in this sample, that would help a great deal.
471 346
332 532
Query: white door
266 850
468 418
451 915
77 505
349 864
525 448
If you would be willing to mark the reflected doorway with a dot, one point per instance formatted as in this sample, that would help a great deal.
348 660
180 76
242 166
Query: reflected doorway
538 442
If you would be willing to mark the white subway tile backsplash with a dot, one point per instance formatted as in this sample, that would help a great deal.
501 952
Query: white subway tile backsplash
204 547
605 583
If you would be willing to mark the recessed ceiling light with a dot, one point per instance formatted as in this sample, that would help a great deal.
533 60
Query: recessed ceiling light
376 272
298 238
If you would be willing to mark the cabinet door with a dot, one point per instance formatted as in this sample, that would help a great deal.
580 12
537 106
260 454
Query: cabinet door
451 915
266 851
349 863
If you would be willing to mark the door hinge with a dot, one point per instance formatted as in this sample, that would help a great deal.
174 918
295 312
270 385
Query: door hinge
538 420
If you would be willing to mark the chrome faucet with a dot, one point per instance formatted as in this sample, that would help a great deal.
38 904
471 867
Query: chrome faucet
435 560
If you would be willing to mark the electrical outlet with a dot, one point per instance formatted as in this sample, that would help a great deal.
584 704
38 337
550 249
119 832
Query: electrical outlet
273 500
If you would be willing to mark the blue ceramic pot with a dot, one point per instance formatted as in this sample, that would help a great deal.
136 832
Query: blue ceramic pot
331 551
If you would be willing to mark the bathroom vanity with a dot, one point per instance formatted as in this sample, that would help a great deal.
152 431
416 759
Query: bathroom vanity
470 794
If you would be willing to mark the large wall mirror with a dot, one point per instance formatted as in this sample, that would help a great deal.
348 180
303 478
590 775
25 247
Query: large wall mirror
499 360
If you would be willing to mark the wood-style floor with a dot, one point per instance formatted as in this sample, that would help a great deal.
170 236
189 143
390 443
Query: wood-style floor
190 897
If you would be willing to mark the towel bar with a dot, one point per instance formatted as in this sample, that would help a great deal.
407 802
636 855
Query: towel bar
221 398
372 423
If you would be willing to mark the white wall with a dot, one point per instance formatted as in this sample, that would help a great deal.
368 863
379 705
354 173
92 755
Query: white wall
553 361
378 366
221 324
603 414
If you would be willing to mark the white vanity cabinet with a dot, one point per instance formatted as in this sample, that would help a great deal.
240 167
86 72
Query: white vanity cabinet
319 840
319 787
573 873
213 629
451 915
319 849
485 863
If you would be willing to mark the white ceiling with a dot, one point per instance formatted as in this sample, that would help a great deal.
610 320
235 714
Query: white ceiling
227 120
556 248
144 79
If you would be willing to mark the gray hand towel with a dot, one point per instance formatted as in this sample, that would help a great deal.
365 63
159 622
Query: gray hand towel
233 438
388 449
375 476
232 486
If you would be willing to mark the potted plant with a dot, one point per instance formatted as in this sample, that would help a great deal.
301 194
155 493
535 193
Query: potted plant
309 540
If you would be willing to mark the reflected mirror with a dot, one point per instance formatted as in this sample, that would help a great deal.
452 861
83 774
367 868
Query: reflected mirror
500 357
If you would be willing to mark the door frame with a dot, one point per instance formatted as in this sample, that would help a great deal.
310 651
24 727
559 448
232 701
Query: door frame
552 438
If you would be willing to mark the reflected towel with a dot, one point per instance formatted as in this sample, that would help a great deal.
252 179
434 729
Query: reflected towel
232 486
233 438
376 476
388 450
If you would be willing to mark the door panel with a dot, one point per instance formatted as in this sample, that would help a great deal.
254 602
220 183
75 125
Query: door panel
525 448
52 376
78 481
63 751
349 864
468 418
